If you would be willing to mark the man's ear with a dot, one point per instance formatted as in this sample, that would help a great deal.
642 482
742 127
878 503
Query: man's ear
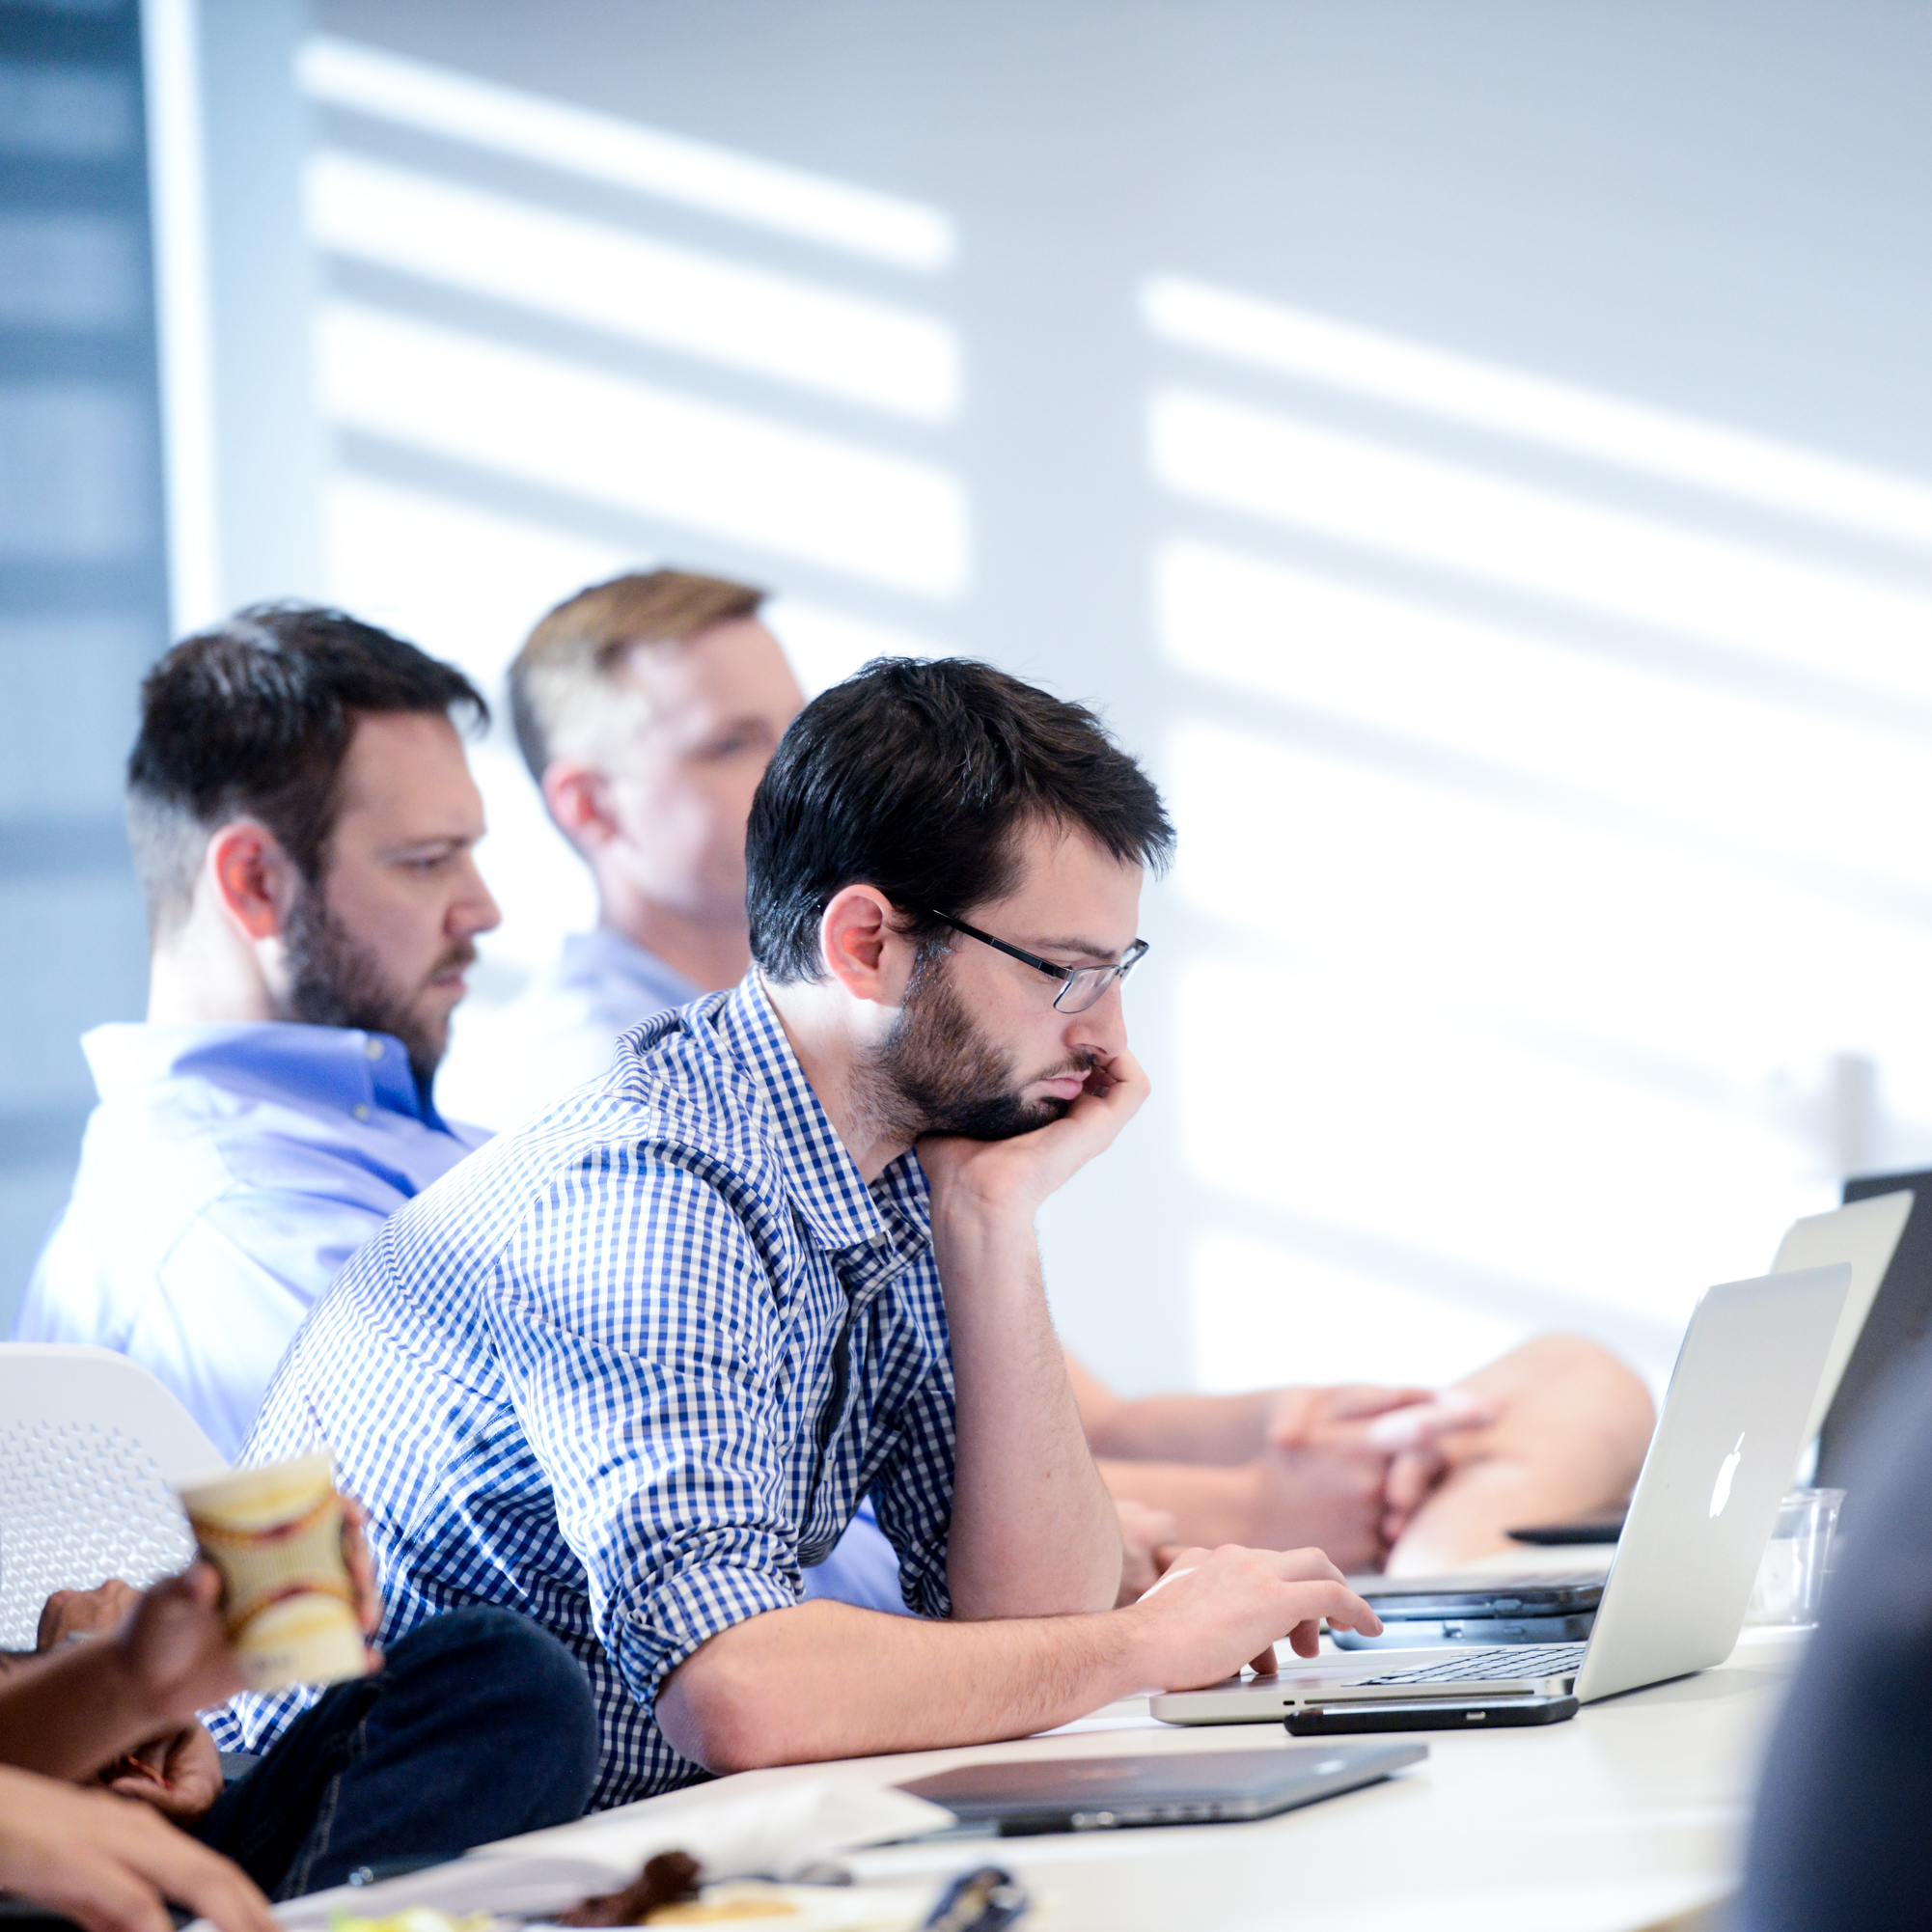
862 947
253 880
579 798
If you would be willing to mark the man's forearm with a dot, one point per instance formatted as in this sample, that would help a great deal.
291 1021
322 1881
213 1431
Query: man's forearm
758 1694
1034 1531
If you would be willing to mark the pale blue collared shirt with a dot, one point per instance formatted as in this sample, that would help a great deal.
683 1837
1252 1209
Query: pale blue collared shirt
561 1030
227 1174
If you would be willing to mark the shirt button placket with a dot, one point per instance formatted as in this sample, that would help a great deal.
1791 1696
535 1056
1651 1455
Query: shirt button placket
371 1051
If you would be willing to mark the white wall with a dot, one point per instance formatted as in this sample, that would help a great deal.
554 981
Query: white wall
238 284
1478 453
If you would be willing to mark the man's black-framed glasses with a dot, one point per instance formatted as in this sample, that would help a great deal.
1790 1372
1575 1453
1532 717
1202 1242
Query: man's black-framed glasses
1081 987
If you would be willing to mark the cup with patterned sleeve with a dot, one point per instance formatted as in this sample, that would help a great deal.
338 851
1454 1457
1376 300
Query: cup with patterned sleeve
275 1534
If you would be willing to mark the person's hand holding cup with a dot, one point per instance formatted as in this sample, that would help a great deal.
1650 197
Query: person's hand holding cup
298 1591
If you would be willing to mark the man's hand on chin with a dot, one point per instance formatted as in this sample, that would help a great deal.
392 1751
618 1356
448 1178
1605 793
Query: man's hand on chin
1033 1530
1016 1176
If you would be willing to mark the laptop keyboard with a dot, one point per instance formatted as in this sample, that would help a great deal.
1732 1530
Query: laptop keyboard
1497 1661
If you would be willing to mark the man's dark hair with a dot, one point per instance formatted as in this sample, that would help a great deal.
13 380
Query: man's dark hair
253 719
916 776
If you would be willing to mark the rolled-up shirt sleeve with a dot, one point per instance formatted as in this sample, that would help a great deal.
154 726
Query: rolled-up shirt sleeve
638 1325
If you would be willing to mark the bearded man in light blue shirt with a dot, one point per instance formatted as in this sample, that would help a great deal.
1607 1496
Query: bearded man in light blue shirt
304 822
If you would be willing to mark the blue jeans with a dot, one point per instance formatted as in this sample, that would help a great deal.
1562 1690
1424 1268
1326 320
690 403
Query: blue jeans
479 1725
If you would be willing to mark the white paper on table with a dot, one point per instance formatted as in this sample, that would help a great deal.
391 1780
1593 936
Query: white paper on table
748 1827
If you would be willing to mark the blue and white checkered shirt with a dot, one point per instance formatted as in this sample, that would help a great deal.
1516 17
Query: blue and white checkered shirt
627 1369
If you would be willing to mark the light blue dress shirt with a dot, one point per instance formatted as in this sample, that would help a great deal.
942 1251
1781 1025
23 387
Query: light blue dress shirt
508 1066
227 1174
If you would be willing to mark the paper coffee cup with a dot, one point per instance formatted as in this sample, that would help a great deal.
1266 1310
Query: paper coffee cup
275 1533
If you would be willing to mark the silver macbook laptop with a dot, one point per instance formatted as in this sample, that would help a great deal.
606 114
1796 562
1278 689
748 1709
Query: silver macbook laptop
1865 1233
1736 1412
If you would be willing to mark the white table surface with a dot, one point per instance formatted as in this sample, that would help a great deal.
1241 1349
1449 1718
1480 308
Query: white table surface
1629 1815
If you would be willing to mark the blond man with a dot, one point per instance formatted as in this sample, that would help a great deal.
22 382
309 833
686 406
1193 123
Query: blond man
647 709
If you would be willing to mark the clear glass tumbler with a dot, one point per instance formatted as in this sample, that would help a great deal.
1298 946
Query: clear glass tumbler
1791 1576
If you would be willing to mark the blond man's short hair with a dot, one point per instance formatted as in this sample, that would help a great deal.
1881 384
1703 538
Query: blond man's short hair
567 696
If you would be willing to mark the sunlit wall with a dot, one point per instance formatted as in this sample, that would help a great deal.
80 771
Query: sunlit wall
1478 453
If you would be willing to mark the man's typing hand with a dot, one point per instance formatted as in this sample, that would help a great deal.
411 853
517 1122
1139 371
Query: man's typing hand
1214 1611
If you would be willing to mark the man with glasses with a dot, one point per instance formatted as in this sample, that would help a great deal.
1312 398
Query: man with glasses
632 1367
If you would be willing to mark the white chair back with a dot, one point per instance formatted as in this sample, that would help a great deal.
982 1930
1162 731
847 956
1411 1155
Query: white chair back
92 1450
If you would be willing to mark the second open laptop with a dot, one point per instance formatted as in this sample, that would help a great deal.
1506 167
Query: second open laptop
1879 1234
1735 1417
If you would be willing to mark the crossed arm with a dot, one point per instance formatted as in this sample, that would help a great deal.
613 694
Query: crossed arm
1411 1480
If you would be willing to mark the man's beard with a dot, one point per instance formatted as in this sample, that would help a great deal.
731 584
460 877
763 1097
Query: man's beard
936 1073
335 982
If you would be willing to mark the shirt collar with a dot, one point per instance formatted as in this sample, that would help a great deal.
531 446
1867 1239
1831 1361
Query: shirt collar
819 1173
338 1069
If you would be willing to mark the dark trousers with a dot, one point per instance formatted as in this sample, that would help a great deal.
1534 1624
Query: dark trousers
479 1725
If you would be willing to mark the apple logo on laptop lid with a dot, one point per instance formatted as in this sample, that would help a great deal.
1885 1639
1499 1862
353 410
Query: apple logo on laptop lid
1727 1469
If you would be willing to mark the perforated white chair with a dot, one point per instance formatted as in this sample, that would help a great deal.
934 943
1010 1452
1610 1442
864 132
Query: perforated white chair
92 1450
